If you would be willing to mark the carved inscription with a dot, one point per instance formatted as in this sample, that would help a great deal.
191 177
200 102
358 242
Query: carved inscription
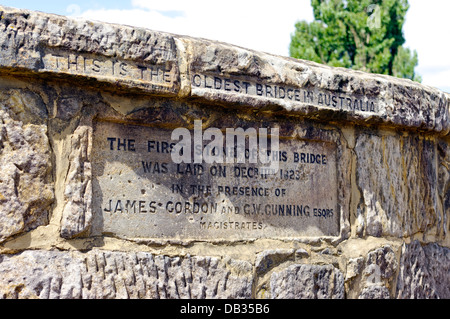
315 96
139 192
100 66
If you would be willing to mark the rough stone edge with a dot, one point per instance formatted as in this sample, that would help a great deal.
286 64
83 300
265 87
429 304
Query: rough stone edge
106 274
431 113
35 38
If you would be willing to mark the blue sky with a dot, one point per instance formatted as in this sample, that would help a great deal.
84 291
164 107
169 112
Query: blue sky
60 7
260 25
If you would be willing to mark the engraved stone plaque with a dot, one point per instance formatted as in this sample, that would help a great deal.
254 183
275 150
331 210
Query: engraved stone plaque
139 192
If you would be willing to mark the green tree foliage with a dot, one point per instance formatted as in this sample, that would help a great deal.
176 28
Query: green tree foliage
363 35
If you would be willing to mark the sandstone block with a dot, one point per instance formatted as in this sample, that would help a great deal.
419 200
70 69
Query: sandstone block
307 282
26 183
115 275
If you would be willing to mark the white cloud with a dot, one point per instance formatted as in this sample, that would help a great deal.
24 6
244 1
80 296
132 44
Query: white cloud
166 5
258 25
135 17
425 31
267 26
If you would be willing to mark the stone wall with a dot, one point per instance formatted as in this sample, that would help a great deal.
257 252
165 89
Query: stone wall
67 85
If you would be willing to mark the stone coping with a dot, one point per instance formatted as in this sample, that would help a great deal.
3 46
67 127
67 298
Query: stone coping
129 59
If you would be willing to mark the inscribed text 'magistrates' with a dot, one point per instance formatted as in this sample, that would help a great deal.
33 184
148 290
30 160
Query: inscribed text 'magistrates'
141 192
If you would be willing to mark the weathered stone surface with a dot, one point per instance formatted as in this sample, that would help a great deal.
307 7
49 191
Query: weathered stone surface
307 282
372 277
424 272
142 193
26 189
444 187
127 56
375 292
270 258
386 264
77 213
160 63
397 178
311 89
117 275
